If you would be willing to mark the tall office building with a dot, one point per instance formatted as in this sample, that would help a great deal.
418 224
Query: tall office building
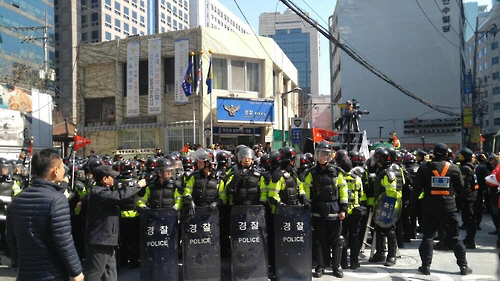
300 42
22 53
85 21
417 44
211 13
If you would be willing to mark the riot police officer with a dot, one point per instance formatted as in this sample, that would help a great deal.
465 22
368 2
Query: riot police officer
78 209
245 185
151 165
385 190
328 191
202 186
302 164
440 181
162 190
411 166
469 200
285 187
355 211
7 189
223 159
129 216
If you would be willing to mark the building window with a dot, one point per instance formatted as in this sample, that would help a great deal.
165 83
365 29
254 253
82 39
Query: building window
84 36
481 67
220 73
99 112
125 26
95 35
84 19
485 65
125 10
139 139
108 36
134 15
117 6
134 30
143 78
495 75
142 19
117 23
470 62
108 18
496 90
497 121
95 17
108 2
494 60
178 137
485 50
494 45
252 84
496 106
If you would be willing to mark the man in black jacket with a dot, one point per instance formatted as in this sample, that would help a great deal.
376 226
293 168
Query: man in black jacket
39 225
440 181
103 223
469 198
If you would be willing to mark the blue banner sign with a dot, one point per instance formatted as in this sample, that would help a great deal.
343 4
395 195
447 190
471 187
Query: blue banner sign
244 110
296 136
238 131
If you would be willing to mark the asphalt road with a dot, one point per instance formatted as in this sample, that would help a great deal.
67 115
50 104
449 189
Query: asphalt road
484 261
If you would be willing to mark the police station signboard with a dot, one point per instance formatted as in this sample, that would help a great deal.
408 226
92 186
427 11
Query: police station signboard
245 110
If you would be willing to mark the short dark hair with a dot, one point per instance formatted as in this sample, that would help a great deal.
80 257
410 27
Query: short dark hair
43 161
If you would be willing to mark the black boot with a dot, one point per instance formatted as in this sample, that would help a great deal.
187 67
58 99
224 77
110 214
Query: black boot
318 272
390 261
425 270
337 272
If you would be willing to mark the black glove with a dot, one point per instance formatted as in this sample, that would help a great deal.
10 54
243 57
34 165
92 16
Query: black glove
307 204
191 208
281 203
212 206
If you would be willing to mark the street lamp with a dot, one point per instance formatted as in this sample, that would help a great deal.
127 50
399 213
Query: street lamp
295 90
423 142
380 133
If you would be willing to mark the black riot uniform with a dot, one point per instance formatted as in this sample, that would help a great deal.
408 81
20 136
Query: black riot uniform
386 180
202 186
129 216
244 186
7 189
327 187
410 230
440 181
469 198
163 189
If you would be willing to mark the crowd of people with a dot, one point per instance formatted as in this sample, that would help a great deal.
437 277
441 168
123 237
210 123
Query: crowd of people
83 211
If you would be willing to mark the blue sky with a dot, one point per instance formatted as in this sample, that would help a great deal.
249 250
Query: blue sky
319 10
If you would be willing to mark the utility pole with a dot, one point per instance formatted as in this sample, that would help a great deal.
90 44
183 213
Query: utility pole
380 133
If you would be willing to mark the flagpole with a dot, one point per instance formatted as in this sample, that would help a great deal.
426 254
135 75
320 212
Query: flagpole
211 114
194 112
73 166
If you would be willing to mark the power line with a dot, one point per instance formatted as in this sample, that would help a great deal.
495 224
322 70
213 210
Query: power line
363 62
421 9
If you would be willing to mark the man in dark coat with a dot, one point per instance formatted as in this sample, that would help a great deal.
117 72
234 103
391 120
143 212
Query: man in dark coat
103 216
39 225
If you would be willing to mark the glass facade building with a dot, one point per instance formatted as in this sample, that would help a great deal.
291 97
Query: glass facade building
16 14
296 46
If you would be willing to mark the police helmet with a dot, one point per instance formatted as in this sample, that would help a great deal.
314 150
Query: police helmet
274 155
409 158
151 164
245 153
421 153
467 154
302 162
165 164
323 150
355 159
392 153
5 167
310 157
200 155
399 157
287 154
177 154
187 164
94 163
382 156
265 162
239 147
440 151
116 166
223 158
128 168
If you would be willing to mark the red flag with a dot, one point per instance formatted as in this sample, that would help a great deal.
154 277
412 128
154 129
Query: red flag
80 142
185 149
481 138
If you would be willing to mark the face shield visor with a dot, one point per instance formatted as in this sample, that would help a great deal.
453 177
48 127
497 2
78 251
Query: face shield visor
323 156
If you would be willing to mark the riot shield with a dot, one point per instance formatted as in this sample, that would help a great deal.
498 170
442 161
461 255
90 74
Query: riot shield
387 210
159 245
293 243
248 243
201 245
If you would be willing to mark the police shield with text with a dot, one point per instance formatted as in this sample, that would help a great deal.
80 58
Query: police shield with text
387 207
328 190
440 181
